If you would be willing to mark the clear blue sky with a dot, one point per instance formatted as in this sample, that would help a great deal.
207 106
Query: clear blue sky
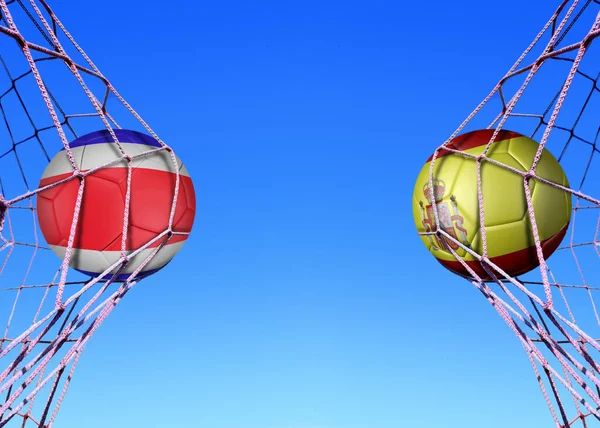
304 298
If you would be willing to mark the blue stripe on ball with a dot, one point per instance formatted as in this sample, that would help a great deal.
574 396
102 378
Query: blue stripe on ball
121 277
123 135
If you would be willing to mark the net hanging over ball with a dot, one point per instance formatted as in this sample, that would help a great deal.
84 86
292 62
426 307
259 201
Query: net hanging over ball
84 178
539 268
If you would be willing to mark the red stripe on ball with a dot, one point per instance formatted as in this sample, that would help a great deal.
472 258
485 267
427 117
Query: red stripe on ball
516 263
473 139
103 206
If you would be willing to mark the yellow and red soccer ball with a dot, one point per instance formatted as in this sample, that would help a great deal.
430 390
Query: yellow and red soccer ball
509 235
99 230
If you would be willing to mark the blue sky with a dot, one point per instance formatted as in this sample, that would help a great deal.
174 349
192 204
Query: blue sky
304 298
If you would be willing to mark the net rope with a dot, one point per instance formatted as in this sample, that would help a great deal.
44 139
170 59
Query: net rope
51 93
551 94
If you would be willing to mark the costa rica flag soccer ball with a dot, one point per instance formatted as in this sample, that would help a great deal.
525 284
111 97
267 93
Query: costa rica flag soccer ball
98 236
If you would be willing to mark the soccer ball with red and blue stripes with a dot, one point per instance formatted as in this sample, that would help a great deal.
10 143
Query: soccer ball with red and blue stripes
98 236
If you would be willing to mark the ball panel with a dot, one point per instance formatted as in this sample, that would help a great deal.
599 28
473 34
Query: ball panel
517 263
120 277
60 164
507 238
138 237
445 171
501 239
101 154
161 161
163 257
116 176
152 197
190 194
547 199
503 203
475 140
549 168
181 206
568 205
115 244
82 259
183 170
418 219
186 221
93 263
499 147
47 220
63 205
523 149
123 135
90 157
102 208
45 181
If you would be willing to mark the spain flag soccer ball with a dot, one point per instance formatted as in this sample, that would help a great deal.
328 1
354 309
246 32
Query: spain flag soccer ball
509 234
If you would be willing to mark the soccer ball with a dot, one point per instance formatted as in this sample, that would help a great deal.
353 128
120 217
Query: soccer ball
509 235
99 230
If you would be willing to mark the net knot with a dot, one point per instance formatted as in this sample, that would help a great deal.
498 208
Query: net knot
529 175
20 40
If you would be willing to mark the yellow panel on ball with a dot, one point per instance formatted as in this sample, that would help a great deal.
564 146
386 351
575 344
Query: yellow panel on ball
509 235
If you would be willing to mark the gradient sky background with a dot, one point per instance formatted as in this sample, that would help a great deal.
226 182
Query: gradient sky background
304 298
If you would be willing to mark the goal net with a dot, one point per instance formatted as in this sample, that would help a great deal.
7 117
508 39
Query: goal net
51 93
552 94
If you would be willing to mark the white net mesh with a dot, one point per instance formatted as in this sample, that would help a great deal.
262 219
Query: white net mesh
552 95
50 94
